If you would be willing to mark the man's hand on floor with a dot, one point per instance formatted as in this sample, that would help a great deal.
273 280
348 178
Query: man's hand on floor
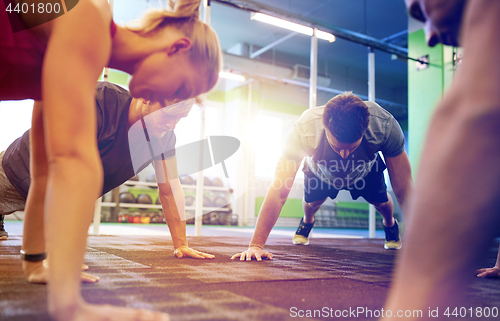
493 272
253 252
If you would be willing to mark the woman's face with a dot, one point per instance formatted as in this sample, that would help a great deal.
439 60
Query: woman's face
162 77
442 19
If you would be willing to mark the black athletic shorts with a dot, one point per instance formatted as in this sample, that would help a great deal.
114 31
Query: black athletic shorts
372 187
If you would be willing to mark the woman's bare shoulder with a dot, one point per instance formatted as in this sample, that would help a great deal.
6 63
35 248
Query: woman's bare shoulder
41 24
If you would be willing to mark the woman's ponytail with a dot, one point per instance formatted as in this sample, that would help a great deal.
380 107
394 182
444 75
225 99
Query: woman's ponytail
184 8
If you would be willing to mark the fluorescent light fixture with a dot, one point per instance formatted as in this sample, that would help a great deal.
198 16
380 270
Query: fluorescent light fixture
324 35
230 75
291 26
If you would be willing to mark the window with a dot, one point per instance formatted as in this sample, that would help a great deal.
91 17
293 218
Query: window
188 131
15 119
268 143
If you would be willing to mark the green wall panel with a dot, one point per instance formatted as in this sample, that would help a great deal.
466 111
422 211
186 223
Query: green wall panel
354 205
118 77
425 88
280 107
217 95
232 95
352 210
292 207
264 103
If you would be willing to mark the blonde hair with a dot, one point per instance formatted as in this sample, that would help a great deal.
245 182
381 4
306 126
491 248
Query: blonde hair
183 15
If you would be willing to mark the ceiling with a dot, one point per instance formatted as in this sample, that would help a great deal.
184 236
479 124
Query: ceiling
345 62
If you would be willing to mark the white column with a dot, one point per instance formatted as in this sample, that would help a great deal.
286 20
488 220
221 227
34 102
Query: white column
249 153
313 76
205 11
371 221
371 97
198 214
97 216
371 75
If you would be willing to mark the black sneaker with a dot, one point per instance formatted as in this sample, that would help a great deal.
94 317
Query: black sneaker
301 236
392 240
3 235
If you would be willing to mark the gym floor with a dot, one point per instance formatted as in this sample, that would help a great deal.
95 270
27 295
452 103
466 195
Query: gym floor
339 271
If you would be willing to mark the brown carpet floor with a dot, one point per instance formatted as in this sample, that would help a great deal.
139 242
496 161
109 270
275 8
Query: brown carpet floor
141 271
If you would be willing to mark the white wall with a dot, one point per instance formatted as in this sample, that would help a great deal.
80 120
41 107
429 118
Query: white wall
15 119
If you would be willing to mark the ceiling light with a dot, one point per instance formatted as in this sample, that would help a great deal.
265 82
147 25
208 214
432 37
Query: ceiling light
325 36
230 75
291 26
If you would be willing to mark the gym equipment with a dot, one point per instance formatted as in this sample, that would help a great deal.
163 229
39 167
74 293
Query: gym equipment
107 197
187 180
189 217
152 179
214 218
216 181
123 218
105 215
220 202
144 199
207 202
127 197
206 218
223 194
189 200
207 181
145 220
137 219
223 218
234 219
156 217
158 202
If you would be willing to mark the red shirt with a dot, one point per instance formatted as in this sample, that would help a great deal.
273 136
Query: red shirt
21 59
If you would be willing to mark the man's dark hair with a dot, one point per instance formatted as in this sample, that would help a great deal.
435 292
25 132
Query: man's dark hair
346 116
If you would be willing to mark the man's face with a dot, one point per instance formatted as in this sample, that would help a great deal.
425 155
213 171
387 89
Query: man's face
442 19
340 148
158 121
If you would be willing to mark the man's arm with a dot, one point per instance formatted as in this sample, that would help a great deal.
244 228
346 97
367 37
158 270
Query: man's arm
400 174
493 272
172 201
273 203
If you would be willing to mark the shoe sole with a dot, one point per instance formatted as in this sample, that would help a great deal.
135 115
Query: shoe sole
300 240
392 247
3 237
